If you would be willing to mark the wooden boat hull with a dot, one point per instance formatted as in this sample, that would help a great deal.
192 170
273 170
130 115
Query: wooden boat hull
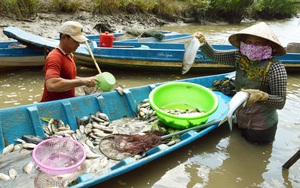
165 57
142 55
169 37
14 54
17 62
26 120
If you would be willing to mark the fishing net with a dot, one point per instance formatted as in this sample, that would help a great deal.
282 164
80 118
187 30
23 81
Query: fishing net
44 179
90 90
155 34
142 33
120 146
225 86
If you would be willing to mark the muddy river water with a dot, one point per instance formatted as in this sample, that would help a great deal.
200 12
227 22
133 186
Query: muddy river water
220 158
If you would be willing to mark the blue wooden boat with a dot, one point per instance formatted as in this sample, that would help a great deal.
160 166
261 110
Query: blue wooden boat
14 54
168 37
142 55
27 120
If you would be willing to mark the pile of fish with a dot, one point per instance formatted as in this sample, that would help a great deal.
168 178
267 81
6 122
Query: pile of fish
91 130
145 112
185 113
12 173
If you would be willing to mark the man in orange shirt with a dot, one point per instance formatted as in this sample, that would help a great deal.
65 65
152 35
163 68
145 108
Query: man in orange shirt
60 67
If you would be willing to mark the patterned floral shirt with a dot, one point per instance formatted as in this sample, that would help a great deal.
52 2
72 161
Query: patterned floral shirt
276 78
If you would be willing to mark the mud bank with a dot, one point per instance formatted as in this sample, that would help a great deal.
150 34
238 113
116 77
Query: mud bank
47 24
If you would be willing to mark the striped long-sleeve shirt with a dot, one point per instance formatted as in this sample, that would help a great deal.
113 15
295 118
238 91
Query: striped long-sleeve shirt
277 76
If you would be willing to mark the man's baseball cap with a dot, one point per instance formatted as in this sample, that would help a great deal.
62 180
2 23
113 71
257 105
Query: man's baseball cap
74 29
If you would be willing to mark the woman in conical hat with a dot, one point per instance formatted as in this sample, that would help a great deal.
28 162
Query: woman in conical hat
260 30
257 73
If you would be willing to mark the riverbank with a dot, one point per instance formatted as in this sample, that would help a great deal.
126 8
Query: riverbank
47 24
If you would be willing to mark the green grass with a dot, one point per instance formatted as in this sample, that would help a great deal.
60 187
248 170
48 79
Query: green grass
19 8
232 11
274 9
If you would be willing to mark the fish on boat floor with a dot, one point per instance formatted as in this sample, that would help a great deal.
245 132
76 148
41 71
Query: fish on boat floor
95 166
17 160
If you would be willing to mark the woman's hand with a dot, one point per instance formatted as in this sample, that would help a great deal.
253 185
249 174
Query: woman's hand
256 95
200 36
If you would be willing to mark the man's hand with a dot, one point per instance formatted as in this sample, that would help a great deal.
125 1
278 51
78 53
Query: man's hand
256 95
89 81
200 36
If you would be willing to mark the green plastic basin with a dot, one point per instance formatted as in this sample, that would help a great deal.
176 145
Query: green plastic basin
183 95
106 81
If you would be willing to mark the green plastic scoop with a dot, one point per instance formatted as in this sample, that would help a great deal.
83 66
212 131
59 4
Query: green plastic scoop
106 81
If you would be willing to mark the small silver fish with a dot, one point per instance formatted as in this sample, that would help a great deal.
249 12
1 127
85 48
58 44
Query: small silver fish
28 167
240 98
89 153
83 121
4 177
51 121
88 128
46 129
138 157
102 116
17 147
172 142
190 55
63 133
103 162
89 143
12 173
99 133
28 145
20 140
81 128
79 134
32 139
120 90
8 149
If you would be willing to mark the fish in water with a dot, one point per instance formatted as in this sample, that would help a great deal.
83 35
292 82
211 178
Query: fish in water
190 55
240 98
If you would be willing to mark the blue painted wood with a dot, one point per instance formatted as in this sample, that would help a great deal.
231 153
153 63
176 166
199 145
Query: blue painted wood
26 119
68 111
36 121
15 54
132 104
2 144
131 53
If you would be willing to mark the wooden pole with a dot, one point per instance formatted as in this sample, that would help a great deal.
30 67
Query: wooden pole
292 160
92 55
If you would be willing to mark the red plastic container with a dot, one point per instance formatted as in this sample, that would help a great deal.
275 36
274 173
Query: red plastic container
106 40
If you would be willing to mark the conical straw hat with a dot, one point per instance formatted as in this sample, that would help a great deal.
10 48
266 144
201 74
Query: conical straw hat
261 30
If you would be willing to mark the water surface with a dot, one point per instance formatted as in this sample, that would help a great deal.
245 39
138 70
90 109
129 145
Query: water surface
220 158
